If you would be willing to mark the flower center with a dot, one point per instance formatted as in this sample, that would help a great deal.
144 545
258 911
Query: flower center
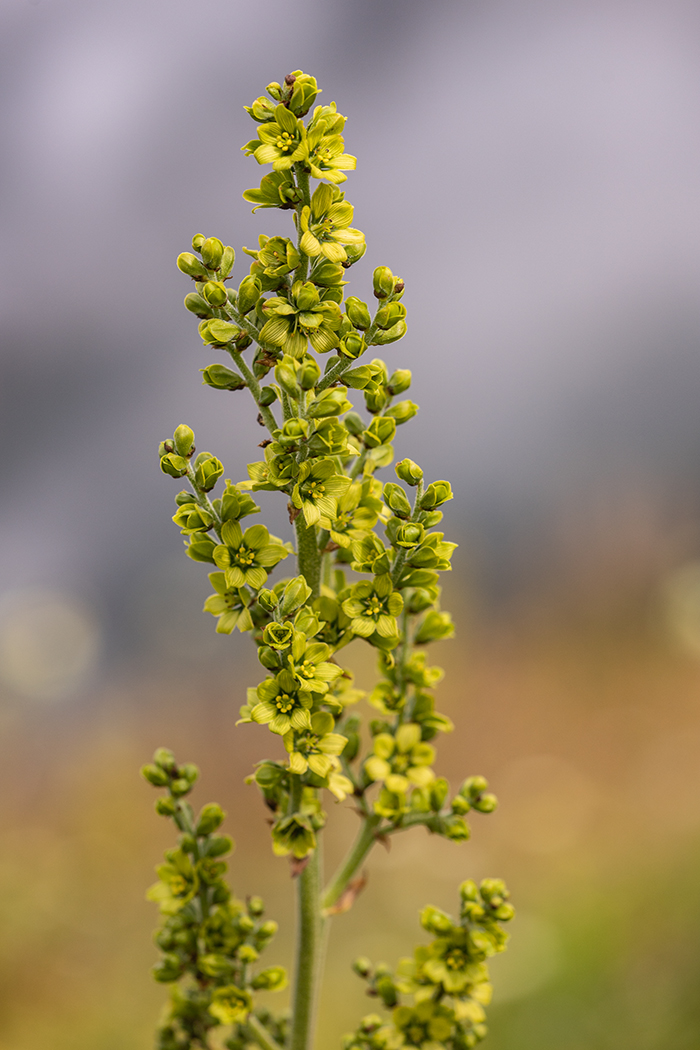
455 959
307 669
244 556
284 703
373 606
284 142
316 489
178 885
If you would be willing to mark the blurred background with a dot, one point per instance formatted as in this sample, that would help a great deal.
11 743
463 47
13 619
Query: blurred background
531 171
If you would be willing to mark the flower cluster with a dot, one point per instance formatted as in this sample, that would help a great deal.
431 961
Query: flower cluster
369 549
210 942
446 983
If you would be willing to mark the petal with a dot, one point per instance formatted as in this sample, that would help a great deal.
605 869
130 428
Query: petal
255 577
255 537
310 244
232 534
234 577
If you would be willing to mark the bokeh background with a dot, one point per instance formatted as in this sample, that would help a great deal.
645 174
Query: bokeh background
531 171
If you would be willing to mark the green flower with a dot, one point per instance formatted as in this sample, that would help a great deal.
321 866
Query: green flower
277 190
192 518
279 141
300 319
318 489
322 146
426 1026
230 1004
246 556
283 704
276 256
230 604
313 749
359 509
374 606
309 665
177 885
326 227
448 961
294 834
403 761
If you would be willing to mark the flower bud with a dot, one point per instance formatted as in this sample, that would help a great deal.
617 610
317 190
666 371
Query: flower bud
272 979
396 499
215 293
327 274
354 253
268 657
169 968
210 818
286 376
197 305
399 381
408 471
219 846
218 332
180 787
456 828
380 431
261 110
268 600
330 403
397 331
402 412
212 252
436 494
268 394
249 291
183 439
354 423
192 266
197 242
296 593
383 281
268 929
293 431
166 807
221 378
154 775
358 312
174 466
362 966
389 314
207 471
434 920
309 374
352 346
278 635
485 803
227 261
409 535
460 805
438 793
435 626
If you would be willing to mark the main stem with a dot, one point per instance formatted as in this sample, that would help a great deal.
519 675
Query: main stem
310 923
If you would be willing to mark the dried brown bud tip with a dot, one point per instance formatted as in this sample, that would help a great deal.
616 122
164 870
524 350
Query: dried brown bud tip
290 79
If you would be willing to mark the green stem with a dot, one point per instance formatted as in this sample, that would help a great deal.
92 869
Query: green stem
309 953
308 554
401 556
262 1036
359 850
254 387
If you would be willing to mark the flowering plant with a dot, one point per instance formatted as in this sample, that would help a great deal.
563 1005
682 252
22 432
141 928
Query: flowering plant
368 562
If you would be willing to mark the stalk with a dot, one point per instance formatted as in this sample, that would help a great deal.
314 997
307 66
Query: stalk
357 853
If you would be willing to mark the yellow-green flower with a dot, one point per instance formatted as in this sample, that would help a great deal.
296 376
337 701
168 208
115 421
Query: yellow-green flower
230 604
279 141
318 489
310 666
230 1004
315 748
373 606
177 883
322 145
302 318
326 225
282 704
246 556
359 509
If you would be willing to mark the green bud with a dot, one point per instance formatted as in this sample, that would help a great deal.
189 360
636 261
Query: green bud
164 758
166 807
409 472
485 803
278 635
396 499
286 376
212 252
218 332
409 535
386 990
268 600
214 965
354 253
388 315
358 312
215 293
183 440
402 412
468 891
227 261
192 266
353 345
383 281
221 378
473 787
309 374
249 291
219 846
438 793
261 110
268 929
268 394
380 431
456 828
169 968
210 818
399 381
362 966
269 657
197 242
436 494
354 423
330 403
460 805
208 472
434 920
175 466
397 331
197 305
256 906
272 979
154 775
180 787
435 626
296 593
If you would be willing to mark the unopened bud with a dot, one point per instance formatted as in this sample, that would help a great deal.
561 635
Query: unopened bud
396 499
215 293
358 312
268 394
397 331
249 291
437 493
389 314
197 305
183 439
309 374
192 266
212 252
409 472
210 818
221 378
399 381
383 281
402 412
197 242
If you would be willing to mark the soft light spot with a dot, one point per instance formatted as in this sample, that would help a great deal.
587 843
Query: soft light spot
681 606
531 961
48 644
